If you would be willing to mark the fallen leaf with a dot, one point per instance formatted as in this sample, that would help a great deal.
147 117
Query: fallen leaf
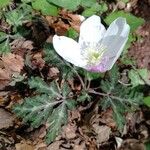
37 61
69 131
13 62
103 133
6 119
132 144
24 146
65 21
53 72
55 145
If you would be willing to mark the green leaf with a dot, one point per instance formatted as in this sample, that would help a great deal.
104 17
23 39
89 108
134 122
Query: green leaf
4 3
119 97
4 47
133 21
57 119
72 33
147 101
42 87
147 145
94 9
87 3
45 7
27 1
3 36
68 4
83 97
36 109
4 43
138 77
90 75
46 108
19 15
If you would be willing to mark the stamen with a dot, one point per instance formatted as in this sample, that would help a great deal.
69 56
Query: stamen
92 53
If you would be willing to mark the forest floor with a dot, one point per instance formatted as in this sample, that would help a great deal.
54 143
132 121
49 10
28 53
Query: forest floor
85 121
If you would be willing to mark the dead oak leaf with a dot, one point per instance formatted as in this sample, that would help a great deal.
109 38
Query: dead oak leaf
13 62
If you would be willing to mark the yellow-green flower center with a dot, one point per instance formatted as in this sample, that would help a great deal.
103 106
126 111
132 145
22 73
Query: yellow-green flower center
93 55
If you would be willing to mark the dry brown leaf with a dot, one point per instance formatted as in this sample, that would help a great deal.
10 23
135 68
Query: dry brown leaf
69 131
60 26
13 62
103 133
132 144
22 44
6 119
38 61
24 146
80 147
9 64
107 118
53 72
55 145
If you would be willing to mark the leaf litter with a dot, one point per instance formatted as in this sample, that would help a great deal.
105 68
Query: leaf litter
100 129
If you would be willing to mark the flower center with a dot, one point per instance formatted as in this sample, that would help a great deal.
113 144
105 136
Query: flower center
93 54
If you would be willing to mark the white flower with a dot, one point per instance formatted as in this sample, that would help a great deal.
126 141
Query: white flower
97 49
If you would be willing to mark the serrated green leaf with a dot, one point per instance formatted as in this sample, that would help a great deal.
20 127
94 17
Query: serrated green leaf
36 109
65 89
46 108
19 15
42 87
45 7
133 21
4 3
119 97
68 4
56 120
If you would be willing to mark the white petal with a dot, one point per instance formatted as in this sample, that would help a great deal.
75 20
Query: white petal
115 39
68 49
91 30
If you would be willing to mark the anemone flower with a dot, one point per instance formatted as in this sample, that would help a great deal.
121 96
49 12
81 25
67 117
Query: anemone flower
97 48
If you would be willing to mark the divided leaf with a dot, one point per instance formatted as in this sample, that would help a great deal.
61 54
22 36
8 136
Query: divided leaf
50 107
120 98
19 15
42 87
